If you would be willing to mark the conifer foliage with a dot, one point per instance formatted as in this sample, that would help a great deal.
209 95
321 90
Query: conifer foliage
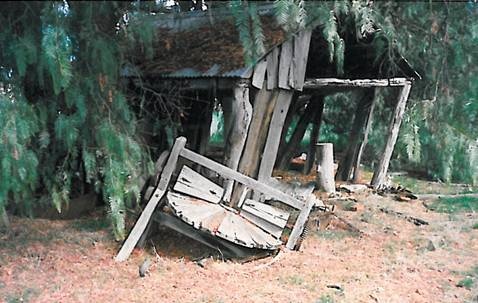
64 117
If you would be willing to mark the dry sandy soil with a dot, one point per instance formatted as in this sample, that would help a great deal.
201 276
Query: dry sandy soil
392 261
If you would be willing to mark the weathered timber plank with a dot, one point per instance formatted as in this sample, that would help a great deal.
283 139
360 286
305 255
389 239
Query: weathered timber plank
316 83
284 64
236 176
273 137
266 212
300 223
143 220
381 170
301 52
272 68
274 230
259 74
191 183
236 137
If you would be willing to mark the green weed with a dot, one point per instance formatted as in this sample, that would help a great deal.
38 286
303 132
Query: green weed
454 205
326 299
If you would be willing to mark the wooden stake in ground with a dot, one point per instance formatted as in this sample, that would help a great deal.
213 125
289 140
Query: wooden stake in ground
325 167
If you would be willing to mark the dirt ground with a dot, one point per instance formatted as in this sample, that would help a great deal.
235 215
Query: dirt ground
392 261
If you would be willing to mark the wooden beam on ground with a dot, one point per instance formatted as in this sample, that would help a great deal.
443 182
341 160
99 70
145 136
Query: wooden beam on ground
321 82
143 220
274 135
381 170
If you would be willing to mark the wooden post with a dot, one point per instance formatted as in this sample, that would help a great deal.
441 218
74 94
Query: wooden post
241 115
4 217
273 137
299 131
347 162
356 169
382 168
314 136
325 167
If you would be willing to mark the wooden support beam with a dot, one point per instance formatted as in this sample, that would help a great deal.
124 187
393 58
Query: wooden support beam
314 135
241 118
347 162
143 220
321 82
274 135
381 170
363 143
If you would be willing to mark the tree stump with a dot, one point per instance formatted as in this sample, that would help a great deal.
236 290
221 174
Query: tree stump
325 167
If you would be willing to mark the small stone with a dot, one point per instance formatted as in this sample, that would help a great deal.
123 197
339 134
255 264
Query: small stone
431 246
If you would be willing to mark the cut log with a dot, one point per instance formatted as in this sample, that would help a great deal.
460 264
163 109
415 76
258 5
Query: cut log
381 170
193 184
325 167
143 220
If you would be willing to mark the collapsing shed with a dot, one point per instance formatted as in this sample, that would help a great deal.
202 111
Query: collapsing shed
201 53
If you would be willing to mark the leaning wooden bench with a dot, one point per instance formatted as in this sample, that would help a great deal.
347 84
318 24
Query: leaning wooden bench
197 202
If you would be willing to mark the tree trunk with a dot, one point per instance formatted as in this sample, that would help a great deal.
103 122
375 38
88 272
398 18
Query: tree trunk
4 218
347 162
314 136
299 131
325 167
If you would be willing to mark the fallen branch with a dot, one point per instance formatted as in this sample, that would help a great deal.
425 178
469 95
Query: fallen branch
437 196
414 220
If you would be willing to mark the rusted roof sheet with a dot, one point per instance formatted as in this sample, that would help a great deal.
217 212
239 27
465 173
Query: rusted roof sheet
201 44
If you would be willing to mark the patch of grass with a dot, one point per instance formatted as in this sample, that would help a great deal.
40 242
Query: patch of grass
418 186
325 299
91 224
471 277
454 205
335 234
475 226
466 283
26 296
294 280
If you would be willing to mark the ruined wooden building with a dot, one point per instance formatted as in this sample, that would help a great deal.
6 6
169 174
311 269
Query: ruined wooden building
202 55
